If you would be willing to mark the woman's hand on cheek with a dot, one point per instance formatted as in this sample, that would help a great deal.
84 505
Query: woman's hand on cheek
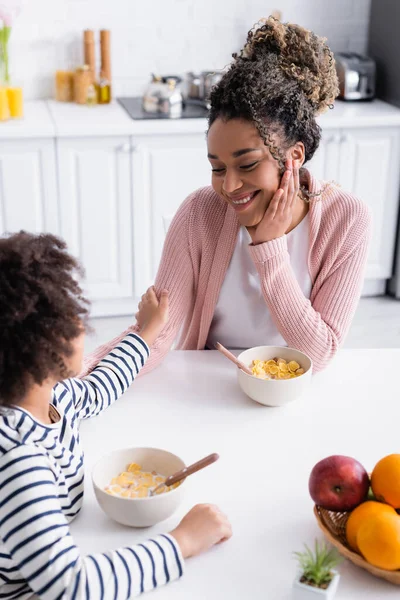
278 216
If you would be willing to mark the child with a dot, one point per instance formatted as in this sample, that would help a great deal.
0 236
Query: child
42 324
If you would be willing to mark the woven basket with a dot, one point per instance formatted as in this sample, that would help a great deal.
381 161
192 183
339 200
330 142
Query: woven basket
333 526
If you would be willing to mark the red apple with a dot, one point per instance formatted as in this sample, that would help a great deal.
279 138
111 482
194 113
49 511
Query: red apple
338 483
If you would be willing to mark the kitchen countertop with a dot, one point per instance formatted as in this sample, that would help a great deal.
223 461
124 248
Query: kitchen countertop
72 120
192 406
55 119
37 123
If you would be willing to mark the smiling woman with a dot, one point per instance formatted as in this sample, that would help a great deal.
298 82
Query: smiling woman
267 254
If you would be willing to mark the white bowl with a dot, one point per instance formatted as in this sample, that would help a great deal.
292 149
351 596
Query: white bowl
137 512
274 392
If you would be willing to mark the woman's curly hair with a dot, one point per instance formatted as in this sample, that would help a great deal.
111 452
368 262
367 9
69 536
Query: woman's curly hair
281 79
41 311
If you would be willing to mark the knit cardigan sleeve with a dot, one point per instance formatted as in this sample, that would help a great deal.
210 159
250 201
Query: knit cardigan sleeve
175 274
317 326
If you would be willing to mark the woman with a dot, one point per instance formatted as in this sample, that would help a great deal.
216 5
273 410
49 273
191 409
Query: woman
268 254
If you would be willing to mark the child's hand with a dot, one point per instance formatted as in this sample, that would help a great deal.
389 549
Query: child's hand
152 315
203 527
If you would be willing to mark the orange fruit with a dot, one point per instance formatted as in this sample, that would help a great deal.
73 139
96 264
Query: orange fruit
378 539
360 514
385 480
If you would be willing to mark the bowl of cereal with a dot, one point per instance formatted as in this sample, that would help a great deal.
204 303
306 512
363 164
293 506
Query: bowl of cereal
123 481
280 374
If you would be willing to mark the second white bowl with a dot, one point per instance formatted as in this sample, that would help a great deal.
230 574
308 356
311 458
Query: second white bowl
274 392
137 512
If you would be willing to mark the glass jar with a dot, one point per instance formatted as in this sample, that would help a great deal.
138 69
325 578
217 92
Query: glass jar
82 82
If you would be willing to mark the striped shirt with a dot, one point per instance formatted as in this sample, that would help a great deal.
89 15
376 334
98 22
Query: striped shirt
41 491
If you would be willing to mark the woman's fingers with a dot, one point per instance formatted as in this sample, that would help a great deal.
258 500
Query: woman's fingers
296 181
274 204
291 185
287 185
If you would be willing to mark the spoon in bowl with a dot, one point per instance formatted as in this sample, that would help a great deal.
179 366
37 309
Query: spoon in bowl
233 358
183 473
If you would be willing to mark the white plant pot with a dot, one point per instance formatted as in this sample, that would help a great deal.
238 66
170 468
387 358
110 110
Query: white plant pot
302 591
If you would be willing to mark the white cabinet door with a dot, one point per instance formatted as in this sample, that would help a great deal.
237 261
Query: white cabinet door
165 170
369 168
95 201
325 163
28 188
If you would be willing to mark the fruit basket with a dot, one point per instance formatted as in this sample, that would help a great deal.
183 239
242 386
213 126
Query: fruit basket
333 526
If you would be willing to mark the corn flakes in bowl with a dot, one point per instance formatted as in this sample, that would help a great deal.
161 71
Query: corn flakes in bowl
122 481
280 374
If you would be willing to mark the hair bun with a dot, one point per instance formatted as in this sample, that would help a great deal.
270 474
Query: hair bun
303 57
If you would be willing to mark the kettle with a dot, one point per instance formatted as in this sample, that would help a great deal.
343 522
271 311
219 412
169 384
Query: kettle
163 96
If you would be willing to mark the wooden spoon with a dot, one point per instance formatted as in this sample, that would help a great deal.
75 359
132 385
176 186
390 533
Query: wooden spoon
233 358
179 475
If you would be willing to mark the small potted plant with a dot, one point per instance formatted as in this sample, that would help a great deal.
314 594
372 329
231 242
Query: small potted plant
316 578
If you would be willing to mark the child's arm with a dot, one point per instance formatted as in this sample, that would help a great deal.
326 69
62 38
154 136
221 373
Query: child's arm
117 370
108 381
35 534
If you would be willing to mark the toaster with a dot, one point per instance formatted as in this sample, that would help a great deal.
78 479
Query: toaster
357 75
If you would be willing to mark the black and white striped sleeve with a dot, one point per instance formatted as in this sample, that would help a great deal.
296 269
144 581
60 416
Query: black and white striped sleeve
35 533
110 379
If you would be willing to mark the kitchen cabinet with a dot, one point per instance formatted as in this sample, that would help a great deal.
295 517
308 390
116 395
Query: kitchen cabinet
28 186
366 163
94 178
111 185
369 167
165 169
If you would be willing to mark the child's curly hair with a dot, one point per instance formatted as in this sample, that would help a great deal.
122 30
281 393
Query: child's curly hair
281 79
41 311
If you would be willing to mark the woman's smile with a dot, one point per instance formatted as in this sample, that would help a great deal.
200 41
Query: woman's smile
243 202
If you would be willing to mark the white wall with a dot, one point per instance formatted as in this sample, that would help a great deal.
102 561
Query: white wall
165 36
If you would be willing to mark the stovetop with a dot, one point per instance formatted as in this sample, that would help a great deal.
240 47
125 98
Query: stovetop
133 107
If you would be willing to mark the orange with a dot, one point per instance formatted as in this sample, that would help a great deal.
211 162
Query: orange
385 480
360 514
378 539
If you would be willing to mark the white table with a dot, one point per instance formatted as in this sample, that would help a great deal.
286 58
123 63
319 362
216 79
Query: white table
192 406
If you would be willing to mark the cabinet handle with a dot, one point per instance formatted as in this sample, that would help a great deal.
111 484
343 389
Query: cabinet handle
344 138
333 139
125 148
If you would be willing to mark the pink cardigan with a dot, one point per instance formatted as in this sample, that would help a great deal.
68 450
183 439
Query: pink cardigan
199 247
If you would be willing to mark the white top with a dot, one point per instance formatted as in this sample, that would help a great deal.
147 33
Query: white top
242 318
192 405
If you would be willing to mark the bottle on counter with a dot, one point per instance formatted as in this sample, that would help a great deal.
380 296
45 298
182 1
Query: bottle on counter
103 90
64 86
83 85
4 108
104 85
15 99
89 53
91 95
